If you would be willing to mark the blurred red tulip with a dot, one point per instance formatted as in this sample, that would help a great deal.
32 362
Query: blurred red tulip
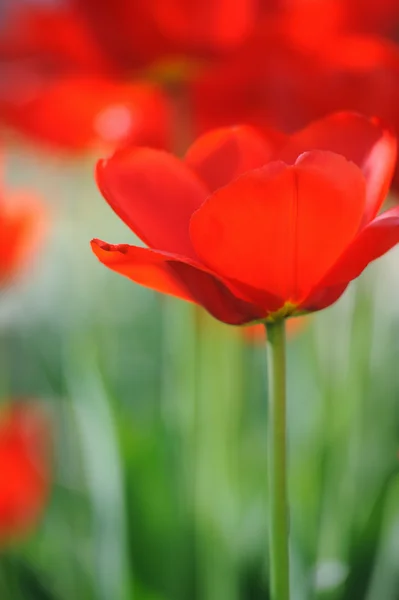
61 89
249 233
137 33
25 449
23 223
372 16
79 114
57 37
313 17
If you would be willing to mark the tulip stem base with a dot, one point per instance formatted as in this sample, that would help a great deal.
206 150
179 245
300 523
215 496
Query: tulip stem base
277 462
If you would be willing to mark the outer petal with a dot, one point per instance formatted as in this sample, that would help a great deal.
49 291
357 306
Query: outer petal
178 276
142 265
323 297
221 155
155 194
373 241
281 228
366 142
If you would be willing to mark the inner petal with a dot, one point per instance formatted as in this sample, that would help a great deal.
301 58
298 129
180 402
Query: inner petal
280 228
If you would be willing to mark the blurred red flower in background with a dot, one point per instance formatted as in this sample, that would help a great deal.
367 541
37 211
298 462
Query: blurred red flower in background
279 63
81 113
23 223
66 68
136 33
246 238
25 468
59 86
313 17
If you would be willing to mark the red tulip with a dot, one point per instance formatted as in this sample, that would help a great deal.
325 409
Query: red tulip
25 447
22 227
248 233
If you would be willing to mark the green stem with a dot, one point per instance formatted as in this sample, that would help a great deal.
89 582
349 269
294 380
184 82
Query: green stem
277 462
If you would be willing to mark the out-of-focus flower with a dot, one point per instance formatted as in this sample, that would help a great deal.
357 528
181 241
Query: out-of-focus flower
275 80
251 232
80 114
310 18
23 221
58 86
374 16
137 33
51 37
25 468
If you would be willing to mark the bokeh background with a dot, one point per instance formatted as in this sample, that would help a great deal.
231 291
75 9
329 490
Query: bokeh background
151 482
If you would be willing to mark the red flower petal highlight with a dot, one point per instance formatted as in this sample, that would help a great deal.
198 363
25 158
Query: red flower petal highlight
366 142
268 229
77 114
221 155
179 277
25 449
155 194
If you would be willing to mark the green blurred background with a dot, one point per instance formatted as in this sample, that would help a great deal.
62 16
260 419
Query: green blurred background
160 412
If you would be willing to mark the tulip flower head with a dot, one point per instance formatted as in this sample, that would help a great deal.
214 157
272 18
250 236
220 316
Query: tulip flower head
250 228
25 444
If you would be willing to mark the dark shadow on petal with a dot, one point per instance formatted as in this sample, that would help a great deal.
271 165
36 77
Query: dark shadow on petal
214 296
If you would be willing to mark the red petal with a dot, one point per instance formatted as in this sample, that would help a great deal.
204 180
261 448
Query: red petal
175 275
366 142
323 297
142 265
222 155
373 241
155 194
281 228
